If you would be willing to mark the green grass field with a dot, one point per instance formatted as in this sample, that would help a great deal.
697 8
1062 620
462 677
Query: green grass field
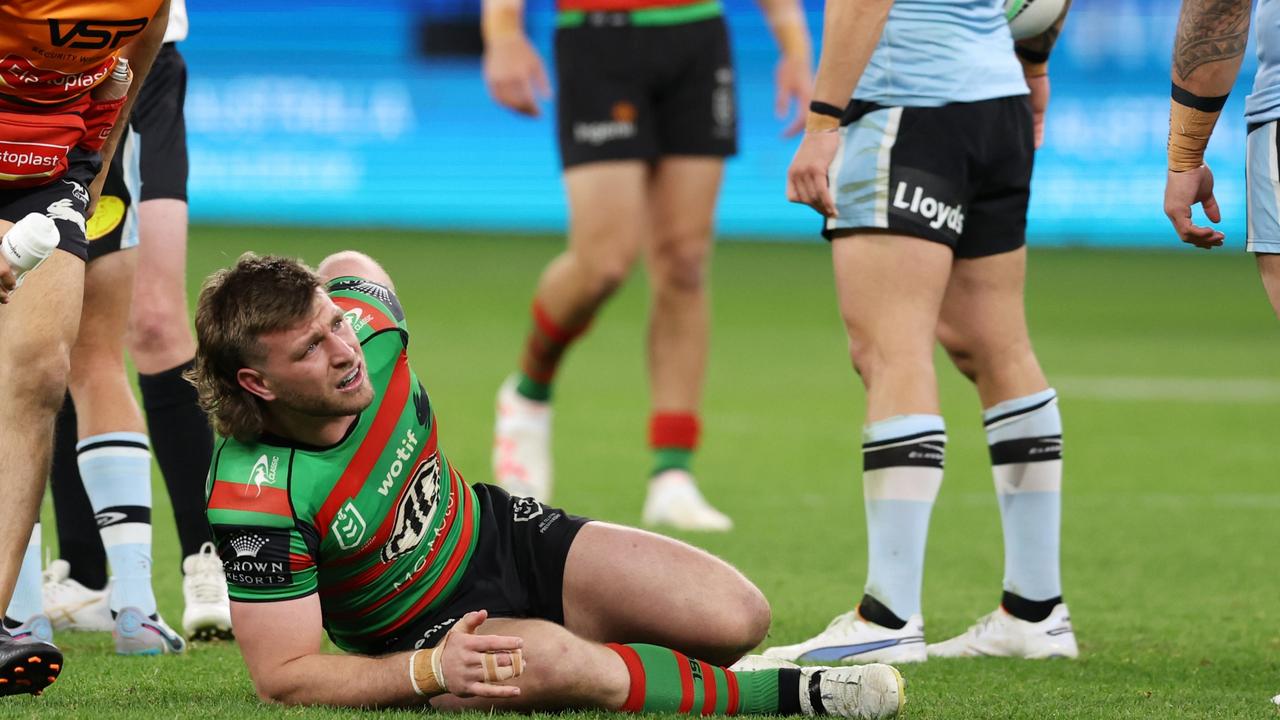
1168 365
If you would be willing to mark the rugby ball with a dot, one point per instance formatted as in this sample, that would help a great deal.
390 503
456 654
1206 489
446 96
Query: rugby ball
1028 18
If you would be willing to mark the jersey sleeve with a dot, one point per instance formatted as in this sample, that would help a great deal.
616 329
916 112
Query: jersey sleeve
264 549
369 307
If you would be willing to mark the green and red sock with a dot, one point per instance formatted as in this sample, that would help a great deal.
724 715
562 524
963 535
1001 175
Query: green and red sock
666 681
673 436
543 351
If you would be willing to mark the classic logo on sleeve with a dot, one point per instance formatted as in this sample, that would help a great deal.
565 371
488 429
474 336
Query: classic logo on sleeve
255 557
264 472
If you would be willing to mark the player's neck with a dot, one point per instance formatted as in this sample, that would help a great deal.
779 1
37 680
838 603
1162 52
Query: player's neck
308 429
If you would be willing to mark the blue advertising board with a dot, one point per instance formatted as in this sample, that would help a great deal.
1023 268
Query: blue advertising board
337 114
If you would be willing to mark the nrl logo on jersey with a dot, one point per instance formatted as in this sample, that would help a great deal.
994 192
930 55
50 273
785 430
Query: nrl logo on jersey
264 472
348 526
417 510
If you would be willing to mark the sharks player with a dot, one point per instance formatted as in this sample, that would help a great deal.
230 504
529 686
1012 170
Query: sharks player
1207 53
334 508
923 178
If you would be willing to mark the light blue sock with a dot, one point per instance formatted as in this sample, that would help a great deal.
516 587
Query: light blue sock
116 468
26 601
901 474
1025 436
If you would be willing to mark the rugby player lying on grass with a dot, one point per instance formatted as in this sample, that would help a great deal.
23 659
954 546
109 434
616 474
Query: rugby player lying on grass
333 508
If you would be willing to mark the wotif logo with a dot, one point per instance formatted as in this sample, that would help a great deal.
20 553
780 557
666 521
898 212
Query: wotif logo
403 453
934 211
264 472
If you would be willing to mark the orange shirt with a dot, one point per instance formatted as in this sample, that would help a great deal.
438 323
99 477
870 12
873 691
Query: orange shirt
616 5
54 51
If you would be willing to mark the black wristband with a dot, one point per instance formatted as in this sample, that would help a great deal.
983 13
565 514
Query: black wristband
1183 96
821 108
1035 57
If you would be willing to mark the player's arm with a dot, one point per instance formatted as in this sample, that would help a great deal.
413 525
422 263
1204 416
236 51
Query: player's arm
851 30
1033 53
141 53
1207 52
281 645
793 77
513 71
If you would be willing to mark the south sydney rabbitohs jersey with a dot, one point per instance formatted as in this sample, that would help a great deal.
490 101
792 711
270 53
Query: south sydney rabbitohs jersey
380 524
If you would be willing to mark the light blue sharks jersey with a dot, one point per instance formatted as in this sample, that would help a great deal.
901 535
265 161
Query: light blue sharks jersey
935 52
1263 104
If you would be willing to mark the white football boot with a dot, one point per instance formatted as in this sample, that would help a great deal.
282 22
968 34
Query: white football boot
70 605
674 501
852 639
138 634
522 444
207 613
1000 634
853 691
867 692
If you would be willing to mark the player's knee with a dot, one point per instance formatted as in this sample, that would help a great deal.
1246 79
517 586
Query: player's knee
679 266
751 622
604 275
39 386
155 329
961 352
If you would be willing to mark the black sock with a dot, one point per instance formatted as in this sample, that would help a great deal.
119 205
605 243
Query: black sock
183 446
78 540
1029 610
875 611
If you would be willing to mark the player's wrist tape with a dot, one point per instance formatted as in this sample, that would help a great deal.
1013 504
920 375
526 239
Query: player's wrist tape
501 20
1191 121
427 673
822 117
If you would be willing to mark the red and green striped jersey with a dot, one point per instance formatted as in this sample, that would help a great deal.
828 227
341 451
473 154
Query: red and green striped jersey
380 524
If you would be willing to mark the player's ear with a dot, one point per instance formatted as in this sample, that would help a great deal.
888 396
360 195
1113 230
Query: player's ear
254 383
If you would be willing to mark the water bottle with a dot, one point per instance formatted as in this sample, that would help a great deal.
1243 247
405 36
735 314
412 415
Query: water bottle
28 243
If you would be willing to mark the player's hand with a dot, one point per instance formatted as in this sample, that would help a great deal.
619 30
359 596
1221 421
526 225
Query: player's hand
1039 105
515 75
807 176
8 281
793 80
463 662
1181 191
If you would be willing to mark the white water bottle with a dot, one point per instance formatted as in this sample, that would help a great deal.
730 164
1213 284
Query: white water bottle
28 243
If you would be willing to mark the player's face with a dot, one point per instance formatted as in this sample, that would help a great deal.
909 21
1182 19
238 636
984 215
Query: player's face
317 368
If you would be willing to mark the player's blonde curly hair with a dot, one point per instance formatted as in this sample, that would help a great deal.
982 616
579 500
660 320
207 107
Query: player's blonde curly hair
237 305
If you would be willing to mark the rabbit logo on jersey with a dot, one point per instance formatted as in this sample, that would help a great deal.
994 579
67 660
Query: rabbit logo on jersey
919 196
417 510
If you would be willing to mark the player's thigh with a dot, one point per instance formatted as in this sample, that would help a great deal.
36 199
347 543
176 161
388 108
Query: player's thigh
983 312
622 584
890 289
1269 269
684 191
608 209
562 671
37 329
108 292
162 258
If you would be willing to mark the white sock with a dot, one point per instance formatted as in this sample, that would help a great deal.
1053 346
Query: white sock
27 600
902 472
1025 437
116 468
